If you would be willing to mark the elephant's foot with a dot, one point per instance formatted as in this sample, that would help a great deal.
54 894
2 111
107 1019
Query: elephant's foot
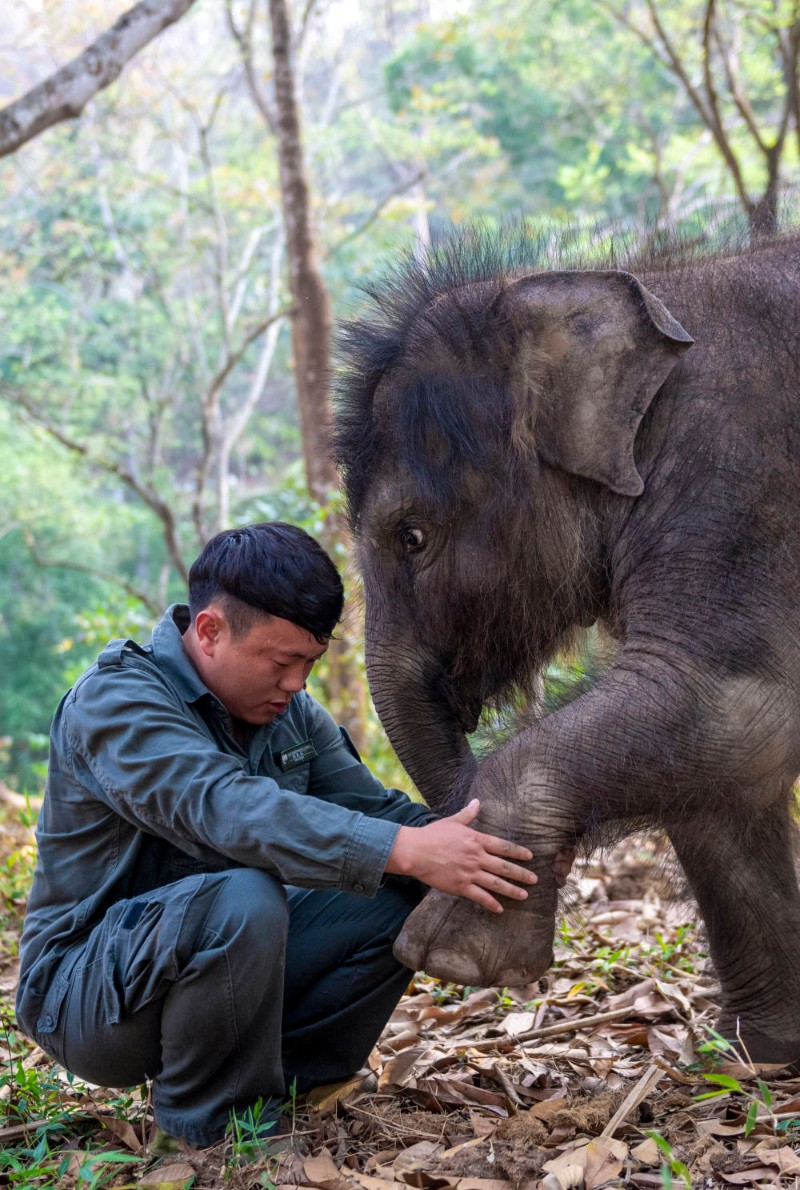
768 1039
459 941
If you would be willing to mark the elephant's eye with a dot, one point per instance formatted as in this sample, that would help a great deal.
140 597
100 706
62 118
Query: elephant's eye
411 539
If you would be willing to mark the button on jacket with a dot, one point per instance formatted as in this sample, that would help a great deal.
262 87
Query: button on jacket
147 785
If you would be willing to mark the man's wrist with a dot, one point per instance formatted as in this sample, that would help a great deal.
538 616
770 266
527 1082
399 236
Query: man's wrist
401 857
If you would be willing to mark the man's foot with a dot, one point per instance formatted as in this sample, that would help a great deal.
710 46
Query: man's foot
163 1145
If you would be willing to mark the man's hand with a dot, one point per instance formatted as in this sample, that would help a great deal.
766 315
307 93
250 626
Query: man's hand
451 856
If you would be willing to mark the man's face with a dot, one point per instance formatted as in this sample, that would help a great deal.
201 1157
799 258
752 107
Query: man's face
256 674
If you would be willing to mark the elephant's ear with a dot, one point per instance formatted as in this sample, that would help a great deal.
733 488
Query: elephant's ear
589 351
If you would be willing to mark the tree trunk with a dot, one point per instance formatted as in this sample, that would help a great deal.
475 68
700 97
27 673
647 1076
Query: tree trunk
312 325
312 321
763 214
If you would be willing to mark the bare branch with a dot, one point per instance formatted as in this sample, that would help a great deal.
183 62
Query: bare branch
114 467
64 95
108 576
734 86
305 21
707 109
378 211
236 423
243 36
210 414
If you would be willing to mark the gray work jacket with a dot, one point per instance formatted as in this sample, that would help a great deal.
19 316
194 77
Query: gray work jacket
147 785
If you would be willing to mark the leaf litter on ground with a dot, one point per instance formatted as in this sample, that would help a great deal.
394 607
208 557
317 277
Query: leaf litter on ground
605 1073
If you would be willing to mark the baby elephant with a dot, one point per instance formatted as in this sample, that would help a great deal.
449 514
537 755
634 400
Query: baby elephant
528 452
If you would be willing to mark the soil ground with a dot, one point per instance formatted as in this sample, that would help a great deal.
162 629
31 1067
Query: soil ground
604 1074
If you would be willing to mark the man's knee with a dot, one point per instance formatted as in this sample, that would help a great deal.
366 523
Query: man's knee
240 908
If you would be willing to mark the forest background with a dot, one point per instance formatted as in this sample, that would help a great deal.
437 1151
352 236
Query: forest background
149 376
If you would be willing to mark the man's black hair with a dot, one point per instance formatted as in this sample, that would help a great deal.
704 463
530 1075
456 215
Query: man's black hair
271 568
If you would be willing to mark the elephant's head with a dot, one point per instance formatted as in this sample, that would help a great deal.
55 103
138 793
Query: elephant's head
481 426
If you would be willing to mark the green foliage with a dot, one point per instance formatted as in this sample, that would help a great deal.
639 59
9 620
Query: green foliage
251 1132
671 1167
759 1100
151 242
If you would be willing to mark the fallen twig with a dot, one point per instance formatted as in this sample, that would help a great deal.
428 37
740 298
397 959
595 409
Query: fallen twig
632 1100
572 1026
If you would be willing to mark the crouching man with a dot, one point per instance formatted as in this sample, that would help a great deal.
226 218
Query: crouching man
217 890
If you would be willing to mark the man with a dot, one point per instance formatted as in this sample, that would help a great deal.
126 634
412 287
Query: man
220 879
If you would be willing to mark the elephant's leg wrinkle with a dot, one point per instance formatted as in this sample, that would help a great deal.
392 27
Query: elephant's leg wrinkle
457 940
742 873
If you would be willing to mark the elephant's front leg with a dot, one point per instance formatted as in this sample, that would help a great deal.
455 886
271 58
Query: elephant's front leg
649 743
455 939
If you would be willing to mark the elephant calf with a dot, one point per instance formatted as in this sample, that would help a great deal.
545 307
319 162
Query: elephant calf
529 452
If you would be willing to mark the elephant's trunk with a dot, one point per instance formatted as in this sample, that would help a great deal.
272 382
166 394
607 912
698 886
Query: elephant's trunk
422 727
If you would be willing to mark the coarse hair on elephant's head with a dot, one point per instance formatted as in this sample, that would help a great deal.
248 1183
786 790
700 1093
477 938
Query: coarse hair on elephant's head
486 415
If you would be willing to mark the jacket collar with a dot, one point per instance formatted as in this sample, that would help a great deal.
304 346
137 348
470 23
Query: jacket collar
171 656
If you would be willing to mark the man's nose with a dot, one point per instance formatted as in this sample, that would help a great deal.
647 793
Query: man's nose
292 680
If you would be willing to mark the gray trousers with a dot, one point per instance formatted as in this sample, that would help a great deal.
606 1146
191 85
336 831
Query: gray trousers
224 988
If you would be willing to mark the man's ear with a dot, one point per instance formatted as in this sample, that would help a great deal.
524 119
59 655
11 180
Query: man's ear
209 626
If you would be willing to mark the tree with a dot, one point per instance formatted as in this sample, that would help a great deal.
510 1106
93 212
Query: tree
738 62
64 95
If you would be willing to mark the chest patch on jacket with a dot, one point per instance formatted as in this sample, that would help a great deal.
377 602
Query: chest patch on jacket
296 754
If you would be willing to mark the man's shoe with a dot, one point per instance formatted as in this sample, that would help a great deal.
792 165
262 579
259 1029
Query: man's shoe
162 1144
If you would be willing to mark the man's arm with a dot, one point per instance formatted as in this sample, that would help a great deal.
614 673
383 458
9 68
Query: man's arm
137 749
444 853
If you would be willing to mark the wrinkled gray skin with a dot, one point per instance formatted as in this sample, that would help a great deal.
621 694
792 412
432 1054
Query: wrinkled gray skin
635 461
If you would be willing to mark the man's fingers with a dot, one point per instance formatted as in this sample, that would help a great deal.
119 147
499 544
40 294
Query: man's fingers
502 867
468 813
503 888
505 847
481 896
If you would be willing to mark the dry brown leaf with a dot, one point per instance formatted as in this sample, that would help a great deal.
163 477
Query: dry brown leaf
483 1184
748 1177
647 1152
547 1108
630 995
321 1171
787 1161
426 1179
121 1129
477 1002
461 1091
672 991
383 1157
403 1039
397 1070
416 1157
745 1070
717 1128
370 1182
596 1161
517 1022
179 1176
480 1125
465 1144
323 1100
